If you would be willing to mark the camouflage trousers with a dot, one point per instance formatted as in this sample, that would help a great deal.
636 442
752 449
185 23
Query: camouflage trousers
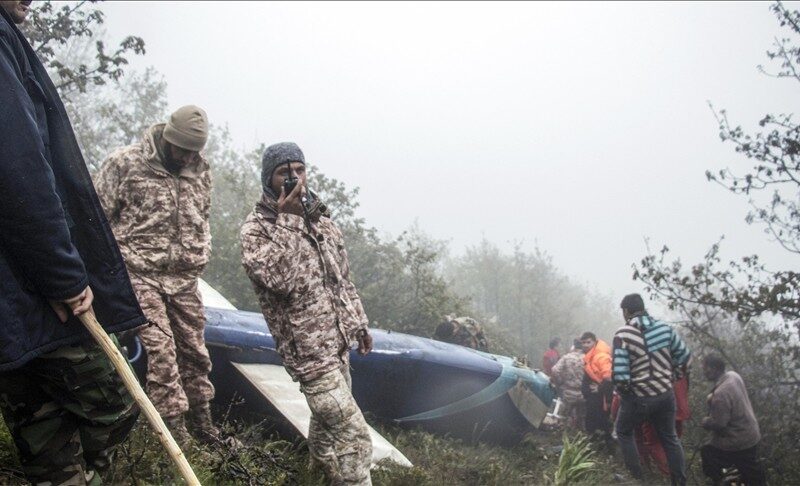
178 363
66 411
338 435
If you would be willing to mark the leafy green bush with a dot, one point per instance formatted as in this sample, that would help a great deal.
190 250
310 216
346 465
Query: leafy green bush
577 463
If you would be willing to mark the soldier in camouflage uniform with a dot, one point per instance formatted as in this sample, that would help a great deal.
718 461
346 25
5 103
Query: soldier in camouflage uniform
464 331
296 260
157 195
52 448
60 396
567 376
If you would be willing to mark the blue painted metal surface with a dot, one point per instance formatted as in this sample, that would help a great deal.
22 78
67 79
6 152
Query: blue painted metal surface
406 379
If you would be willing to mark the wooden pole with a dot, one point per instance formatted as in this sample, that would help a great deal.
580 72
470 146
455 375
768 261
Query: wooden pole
132 384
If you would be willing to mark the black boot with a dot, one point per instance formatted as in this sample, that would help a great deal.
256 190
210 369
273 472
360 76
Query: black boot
177 426
204 429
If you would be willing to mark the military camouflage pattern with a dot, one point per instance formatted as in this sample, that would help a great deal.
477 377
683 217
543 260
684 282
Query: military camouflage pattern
303 285
338 435
464 331
160 220
66 410
178 363
567 376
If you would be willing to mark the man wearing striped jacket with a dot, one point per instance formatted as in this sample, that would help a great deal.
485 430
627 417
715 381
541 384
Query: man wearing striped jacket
648 356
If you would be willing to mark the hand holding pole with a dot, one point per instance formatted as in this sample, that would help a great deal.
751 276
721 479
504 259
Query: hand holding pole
132 384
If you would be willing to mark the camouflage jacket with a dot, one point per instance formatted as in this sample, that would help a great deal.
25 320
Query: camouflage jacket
160 220
568 374
302 280
467 332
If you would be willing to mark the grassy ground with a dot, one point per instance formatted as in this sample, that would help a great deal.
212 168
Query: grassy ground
269 459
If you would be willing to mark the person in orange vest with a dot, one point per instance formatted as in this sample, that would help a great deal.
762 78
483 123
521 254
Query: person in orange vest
597 387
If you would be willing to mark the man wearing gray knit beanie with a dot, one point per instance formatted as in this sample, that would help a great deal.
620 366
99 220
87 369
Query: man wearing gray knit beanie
157 195
294 254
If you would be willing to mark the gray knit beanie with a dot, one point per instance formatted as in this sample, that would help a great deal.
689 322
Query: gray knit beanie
274 156
187 128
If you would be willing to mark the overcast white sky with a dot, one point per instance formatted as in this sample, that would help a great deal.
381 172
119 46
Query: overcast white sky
581 127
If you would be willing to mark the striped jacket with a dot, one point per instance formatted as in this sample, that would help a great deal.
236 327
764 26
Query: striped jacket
647 353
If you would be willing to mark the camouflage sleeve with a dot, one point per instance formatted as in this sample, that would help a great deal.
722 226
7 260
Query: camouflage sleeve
107 185
266 258
207 201
557 370
352 292
483 343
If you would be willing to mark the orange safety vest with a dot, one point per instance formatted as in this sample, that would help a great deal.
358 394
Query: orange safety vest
597 362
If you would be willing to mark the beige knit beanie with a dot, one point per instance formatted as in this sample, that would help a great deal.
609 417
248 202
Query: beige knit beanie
187 128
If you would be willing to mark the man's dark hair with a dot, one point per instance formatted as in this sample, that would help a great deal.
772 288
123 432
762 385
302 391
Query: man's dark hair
589 335
444 330
555 342
632 303
714 361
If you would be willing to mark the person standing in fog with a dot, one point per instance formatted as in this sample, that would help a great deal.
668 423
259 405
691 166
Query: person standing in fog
295 257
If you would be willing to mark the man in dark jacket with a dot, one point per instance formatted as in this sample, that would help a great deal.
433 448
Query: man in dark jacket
734 427
60 396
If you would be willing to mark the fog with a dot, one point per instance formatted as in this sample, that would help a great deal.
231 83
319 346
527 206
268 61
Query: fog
583 128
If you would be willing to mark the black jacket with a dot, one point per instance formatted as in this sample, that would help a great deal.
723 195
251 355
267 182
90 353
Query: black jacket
54 237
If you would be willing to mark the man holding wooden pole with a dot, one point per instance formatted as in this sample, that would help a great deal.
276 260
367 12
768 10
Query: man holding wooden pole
60 396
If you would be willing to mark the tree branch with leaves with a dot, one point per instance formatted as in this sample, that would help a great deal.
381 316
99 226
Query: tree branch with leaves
51 26
740 308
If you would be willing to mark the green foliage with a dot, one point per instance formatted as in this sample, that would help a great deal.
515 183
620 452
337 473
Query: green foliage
10 470
69 39
261 460
236 189
265 459
399 279
442 460
51 27
116 114
745 287
577 463
526 295
756 350
741 309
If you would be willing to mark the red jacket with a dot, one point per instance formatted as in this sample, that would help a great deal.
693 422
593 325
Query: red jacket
550 359
681 389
